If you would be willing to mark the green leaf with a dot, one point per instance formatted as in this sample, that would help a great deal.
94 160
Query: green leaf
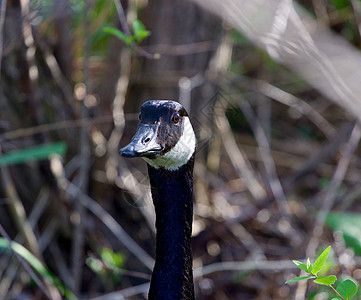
300 278
140 33
32 153
309 265
320 261
37 266
96 265
325 280
347 288
113 259
128 40
301 265
350 226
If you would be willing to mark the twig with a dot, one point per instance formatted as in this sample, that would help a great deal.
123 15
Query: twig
122 17
301 106
336 292
18 213
113 225
268 162
329 199
78 238
244 266
238 158
124 24
27 268
29 131
181 50
326 152
2 22
125 293
11 269
73 191
259 265
118 114
61 264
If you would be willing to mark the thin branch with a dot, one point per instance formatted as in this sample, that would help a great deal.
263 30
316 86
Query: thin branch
2 22
124 24
25 265
238 158
268 162
252 265
79 237
61 125
75 193
112 225
122 17
259 265
125 293
301 106
336 292
18 213
329 199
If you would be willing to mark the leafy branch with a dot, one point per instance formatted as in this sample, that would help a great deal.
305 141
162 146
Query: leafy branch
139 33
345 290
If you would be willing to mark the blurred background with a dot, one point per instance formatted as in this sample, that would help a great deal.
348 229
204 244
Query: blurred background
272 89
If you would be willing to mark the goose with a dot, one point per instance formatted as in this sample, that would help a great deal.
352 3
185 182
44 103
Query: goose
166 140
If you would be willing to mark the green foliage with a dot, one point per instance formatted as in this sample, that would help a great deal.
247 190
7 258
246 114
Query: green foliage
320 261
345 289
350 226
326 280
300 278
37 266
309 265
113 259
139 33
33 153
109 267
128 40
301 265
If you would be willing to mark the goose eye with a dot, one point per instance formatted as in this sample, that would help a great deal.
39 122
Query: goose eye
176 118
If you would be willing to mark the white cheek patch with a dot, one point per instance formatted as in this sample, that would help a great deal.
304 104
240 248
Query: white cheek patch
180 154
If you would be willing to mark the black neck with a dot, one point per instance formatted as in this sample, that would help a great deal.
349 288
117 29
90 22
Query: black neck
172 193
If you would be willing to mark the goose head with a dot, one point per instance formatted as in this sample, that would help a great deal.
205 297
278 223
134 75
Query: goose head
165 137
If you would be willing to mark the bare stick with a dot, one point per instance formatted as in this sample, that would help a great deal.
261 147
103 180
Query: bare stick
260 265
336 292
18 213
78 238
122 17
2 22
301 106
27 268
329 199
24 132
125 293
268 162
238 158
73 191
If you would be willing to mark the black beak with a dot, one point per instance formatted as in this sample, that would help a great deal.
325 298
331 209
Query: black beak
143 142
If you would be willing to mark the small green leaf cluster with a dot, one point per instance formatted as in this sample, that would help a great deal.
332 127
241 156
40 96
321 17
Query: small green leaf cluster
345 290
109 267
139 33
